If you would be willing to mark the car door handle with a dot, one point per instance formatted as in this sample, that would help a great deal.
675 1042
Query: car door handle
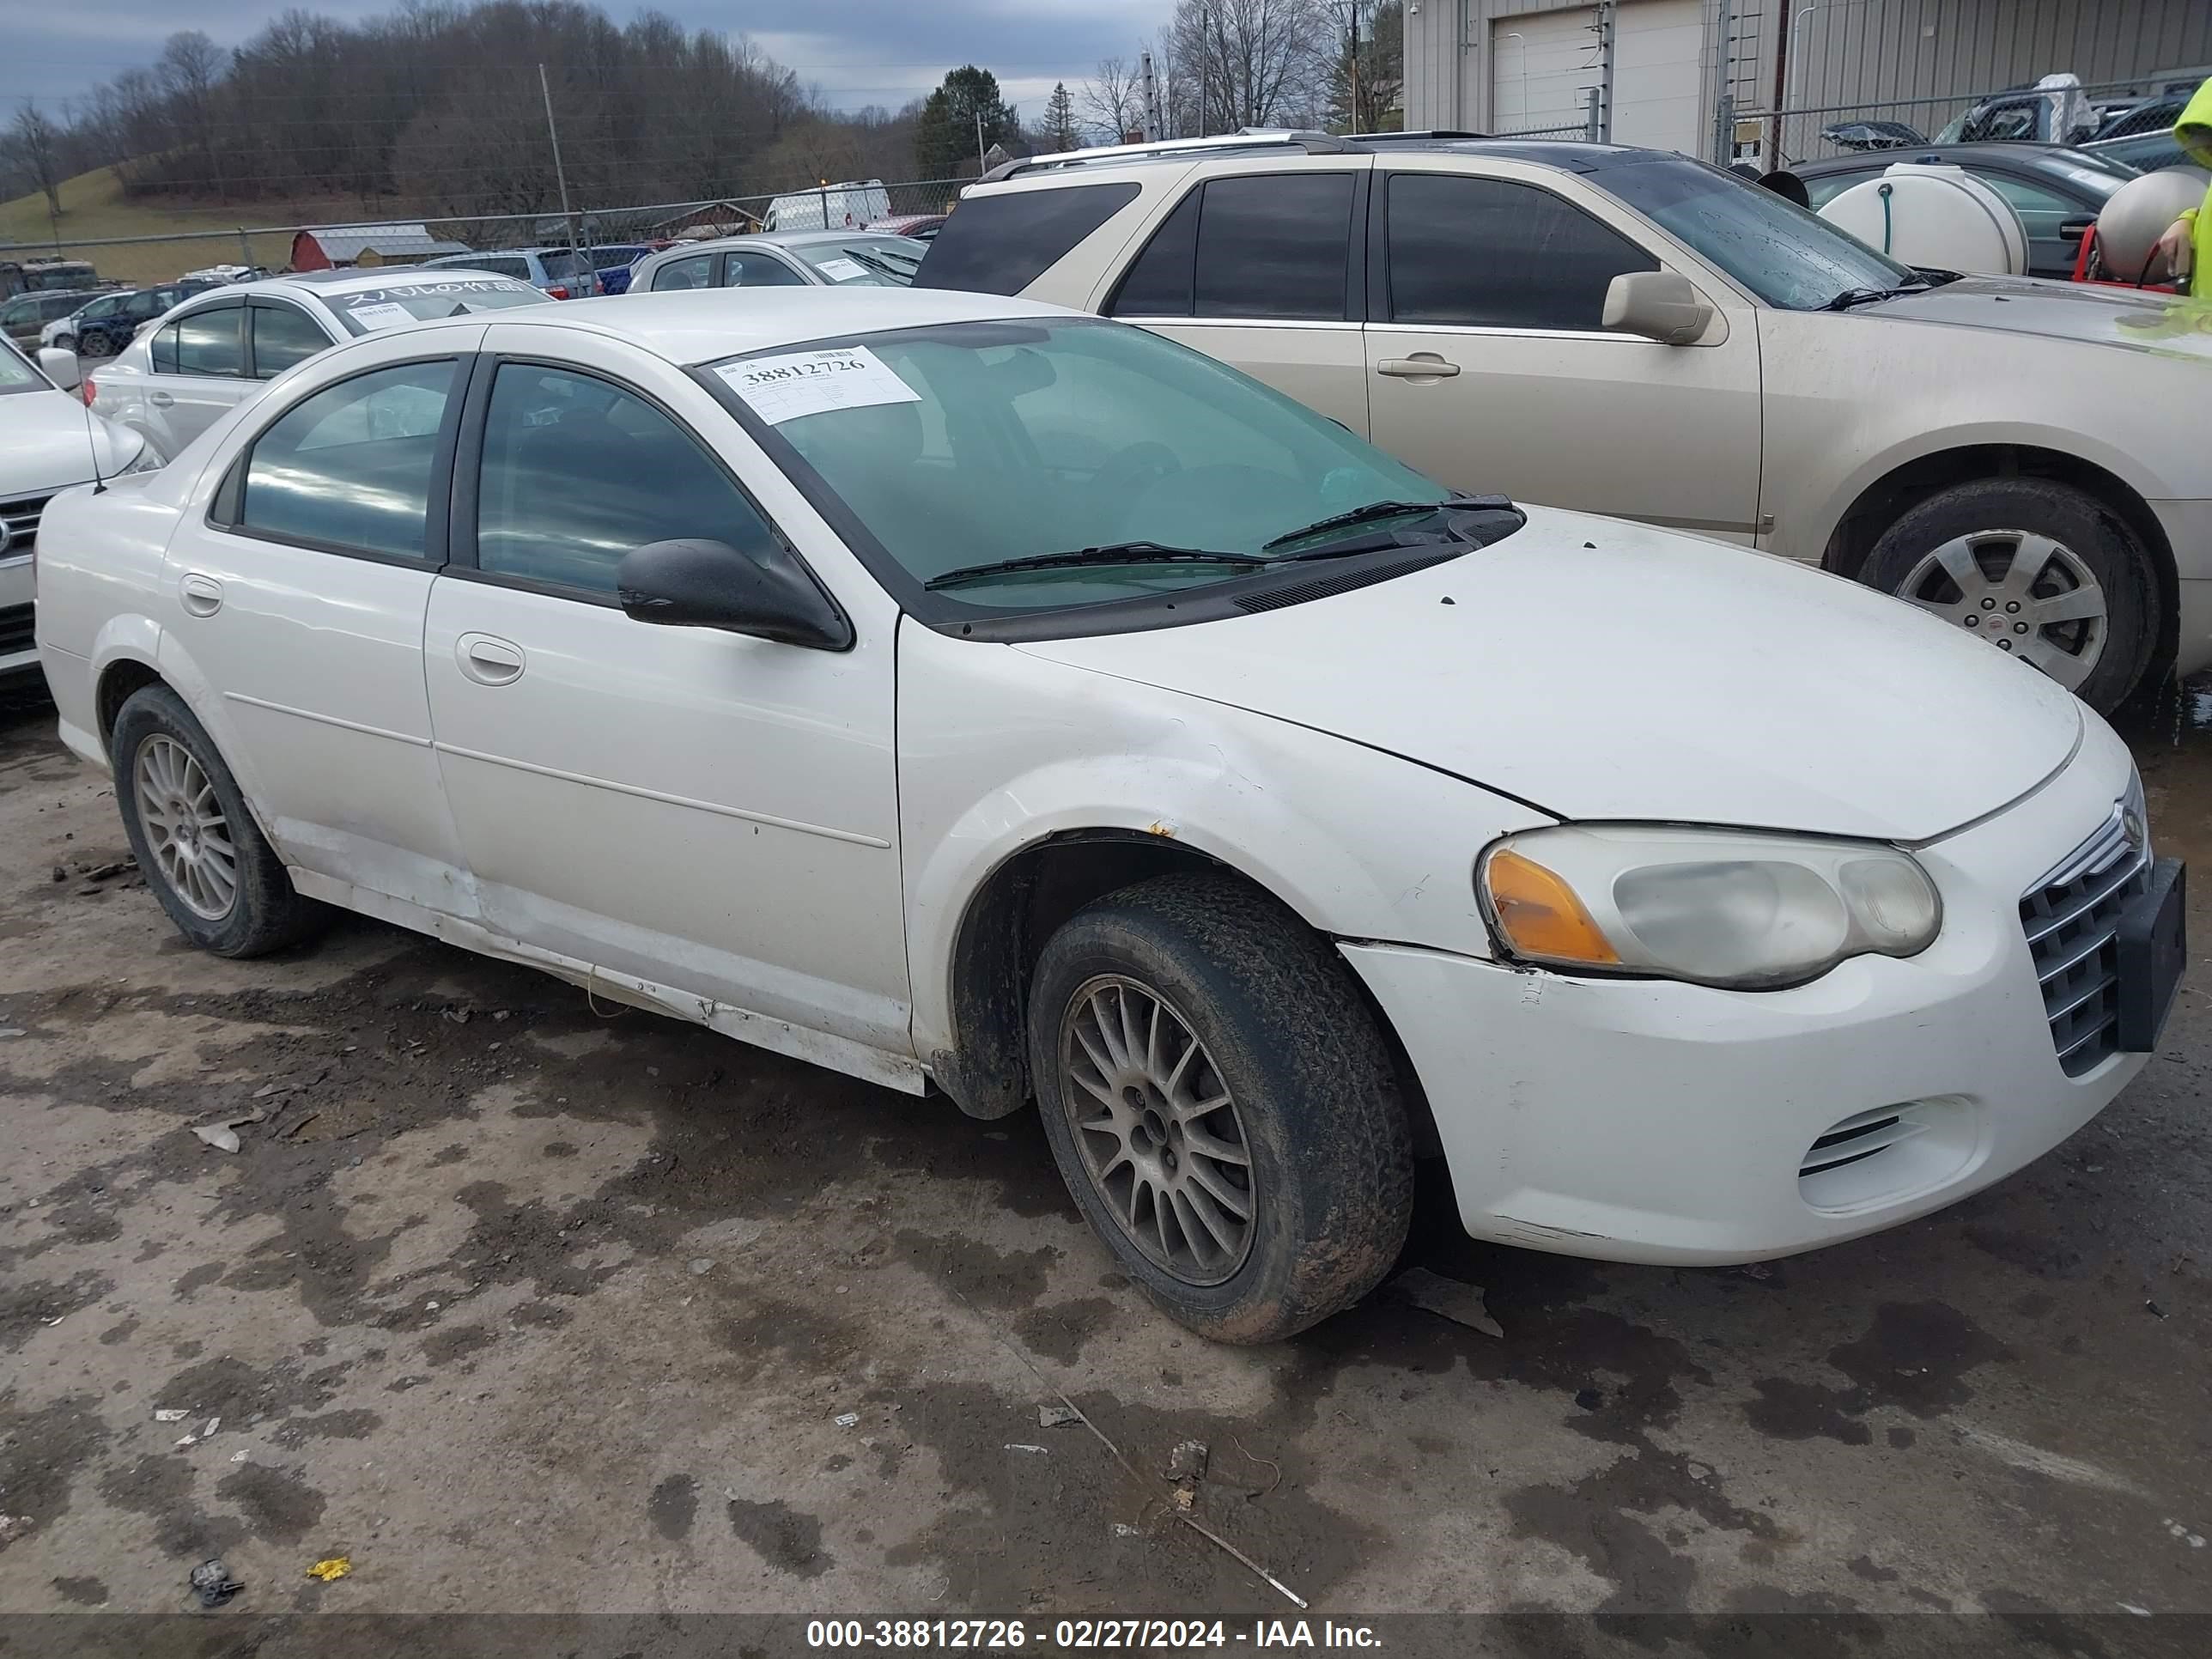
1421 366
2073 230
161 400
201 595
487 660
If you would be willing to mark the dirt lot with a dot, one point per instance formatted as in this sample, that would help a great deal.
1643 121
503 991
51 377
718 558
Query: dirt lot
522 1307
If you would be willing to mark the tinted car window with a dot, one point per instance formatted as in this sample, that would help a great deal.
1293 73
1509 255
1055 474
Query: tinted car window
1159 283
1486 253
749 270
282 338
162 352
1001 244
1274 245
208 342
698 271
577 472
351 465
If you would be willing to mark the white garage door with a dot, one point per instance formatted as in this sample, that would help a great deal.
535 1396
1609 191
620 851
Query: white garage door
1656 47
1543 63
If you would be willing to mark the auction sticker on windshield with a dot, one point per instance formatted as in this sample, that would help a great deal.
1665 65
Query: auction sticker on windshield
381 316
842 270
795 383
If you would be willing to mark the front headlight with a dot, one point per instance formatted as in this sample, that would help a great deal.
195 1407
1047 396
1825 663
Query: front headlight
1715 907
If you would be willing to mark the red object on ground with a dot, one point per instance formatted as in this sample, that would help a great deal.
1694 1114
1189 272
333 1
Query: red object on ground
2085 260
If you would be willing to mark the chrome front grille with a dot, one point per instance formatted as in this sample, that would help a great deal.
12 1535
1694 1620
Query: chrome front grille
2072 920
21 519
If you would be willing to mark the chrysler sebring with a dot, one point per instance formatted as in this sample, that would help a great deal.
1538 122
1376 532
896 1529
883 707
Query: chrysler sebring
1012 705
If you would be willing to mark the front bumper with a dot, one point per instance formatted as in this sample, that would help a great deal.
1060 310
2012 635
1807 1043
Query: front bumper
1648 1121
18 654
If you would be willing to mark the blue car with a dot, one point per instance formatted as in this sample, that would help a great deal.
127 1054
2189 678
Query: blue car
613 262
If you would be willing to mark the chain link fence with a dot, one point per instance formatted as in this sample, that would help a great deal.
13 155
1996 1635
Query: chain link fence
402 239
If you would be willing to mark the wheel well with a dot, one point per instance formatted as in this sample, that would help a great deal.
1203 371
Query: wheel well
119 683
1899 491
1006 924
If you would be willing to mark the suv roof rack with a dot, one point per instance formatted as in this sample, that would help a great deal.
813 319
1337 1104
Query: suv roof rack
1426 134
1107 154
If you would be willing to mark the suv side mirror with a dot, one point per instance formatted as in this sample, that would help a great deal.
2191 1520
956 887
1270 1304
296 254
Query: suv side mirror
696 583
1656 304
61 367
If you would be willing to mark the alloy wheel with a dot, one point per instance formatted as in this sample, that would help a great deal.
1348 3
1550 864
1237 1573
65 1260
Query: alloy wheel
185 827
2025 593
1157 1129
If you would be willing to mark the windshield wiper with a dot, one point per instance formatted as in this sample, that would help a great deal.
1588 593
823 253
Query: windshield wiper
1359 515
1115 553
883 263
1867 296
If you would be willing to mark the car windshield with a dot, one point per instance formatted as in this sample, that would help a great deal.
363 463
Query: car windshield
17 374
864 261
969 444
1786 255
365 308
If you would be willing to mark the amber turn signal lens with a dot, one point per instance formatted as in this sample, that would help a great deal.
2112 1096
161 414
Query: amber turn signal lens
1539 915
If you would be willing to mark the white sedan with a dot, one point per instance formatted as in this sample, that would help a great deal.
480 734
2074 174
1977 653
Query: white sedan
969 695
218 349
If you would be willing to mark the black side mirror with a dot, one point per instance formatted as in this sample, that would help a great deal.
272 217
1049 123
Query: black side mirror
694 583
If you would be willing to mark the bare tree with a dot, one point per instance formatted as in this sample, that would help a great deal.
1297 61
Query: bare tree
1252 62
1114 99
35 145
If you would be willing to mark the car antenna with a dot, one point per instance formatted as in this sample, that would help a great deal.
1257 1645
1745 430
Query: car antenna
91 442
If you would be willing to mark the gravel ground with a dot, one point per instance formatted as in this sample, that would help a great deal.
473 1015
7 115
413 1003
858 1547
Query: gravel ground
521 1307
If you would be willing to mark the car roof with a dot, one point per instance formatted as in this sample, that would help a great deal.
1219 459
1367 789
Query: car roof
324 283
700 326
2027 155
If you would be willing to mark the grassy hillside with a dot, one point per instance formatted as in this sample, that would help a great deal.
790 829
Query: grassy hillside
95 206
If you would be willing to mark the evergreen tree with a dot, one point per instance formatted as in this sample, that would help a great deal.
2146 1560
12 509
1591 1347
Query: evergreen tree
945 139
1060 118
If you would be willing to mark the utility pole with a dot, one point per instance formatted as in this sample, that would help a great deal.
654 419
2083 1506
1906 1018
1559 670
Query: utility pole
1354 9
1153 126
559 173
982 165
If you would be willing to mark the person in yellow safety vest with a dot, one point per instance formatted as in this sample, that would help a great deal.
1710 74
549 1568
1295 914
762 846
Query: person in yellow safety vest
2187 244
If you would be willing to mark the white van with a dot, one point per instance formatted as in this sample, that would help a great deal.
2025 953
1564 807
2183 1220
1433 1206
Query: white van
830 207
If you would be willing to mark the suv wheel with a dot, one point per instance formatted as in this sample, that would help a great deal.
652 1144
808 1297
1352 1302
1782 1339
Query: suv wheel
2037 569
202 853
64 343
1222 1105
97 345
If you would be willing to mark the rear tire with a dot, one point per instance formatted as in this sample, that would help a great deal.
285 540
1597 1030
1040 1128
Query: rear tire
201 851
97 345
2040 569
1198 1051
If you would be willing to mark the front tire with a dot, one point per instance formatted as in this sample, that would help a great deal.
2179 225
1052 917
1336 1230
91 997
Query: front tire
2040 570
96 346
201 853
1222 1105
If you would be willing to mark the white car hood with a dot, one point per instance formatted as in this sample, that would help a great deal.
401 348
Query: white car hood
1602 670
44 446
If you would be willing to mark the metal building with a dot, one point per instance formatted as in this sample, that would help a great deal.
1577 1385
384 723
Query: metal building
1761 78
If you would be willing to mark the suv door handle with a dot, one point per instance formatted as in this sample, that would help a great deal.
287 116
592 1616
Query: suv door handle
201 595
488 660
161 400
1421 366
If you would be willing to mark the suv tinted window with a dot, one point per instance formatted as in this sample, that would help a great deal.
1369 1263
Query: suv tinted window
282 338
1001 244
1159 283
576 473
352 465
208 343
693 272
1486 252
1274 245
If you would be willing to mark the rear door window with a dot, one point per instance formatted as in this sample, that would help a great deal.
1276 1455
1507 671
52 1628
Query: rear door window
1492 253
1272 245
696 271
1001 244
208 342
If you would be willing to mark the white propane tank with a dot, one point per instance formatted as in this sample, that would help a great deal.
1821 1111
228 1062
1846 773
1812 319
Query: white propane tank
1921 213
2137 214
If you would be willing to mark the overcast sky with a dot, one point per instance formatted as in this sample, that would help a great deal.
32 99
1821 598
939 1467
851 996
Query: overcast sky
858 51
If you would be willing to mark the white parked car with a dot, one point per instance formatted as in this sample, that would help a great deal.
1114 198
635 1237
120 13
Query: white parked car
212 353
838 258
48 441
961 692
1636 333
